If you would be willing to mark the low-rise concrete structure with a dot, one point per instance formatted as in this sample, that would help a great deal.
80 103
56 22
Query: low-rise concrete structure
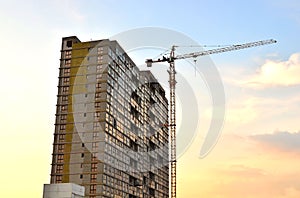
63 190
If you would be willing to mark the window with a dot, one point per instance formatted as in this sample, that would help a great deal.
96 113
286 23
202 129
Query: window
97 104
64 107
99 59
66 72
95 135
62 127
100 50
151 175
108 108
61 137
61 148
63 117
152 146
82 154
98 76
104 179
97 95
66 81
58 178
106 127
65 90
94 156
69 43
133 163
93 189
106 136
60 158
97 114
114 123
67 63
94 145
99 68
96 126
98 85
94 167
132 181
64 98
93 177
151 192
59 168
81 176
68 54
110 52
133 145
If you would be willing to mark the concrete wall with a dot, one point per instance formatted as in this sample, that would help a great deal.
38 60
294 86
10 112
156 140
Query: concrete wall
63 190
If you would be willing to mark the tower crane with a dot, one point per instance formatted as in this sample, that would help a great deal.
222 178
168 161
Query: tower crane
172 82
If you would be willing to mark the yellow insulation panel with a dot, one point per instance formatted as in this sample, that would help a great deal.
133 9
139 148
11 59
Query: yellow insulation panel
77 85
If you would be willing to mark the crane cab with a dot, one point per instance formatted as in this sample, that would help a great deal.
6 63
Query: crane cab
149 62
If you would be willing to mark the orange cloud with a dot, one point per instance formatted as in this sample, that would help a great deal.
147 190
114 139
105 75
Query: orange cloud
284 140
276 73
241 167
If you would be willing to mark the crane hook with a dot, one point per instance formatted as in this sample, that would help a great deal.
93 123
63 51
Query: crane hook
195 61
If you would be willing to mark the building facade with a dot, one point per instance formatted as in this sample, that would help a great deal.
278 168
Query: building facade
111 133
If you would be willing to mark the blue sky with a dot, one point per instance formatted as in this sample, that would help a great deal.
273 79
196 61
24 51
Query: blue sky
261 87
207 22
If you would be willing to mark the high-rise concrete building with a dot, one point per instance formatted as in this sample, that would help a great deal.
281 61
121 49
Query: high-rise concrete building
111 128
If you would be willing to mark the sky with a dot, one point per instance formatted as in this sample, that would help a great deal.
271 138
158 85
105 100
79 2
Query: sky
257 154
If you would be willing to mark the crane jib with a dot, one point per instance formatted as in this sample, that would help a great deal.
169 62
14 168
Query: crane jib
172 72
226 49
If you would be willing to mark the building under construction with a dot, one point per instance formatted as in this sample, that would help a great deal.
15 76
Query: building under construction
111 128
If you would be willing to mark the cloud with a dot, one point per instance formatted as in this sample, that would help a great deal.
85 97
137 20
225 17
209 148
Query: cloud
276 73
283 186
248 180
246 109
283 140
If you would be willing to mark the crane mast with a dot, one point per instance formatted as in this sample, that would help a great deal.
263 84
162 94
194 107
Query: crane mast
172 83
172 124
